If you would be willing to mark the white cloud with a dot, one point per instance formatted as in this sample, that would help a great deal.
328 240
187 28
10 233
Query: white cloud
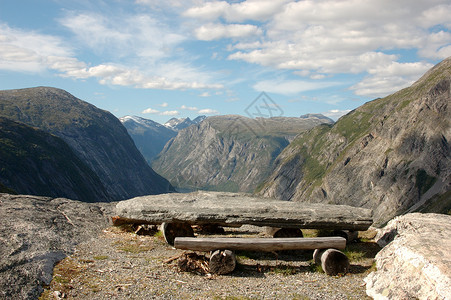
205 94
329 37
386 79
123 35
28 51
164 104
150 111
169 113
211 32
290 87
259 10
336 113
208 111
192 108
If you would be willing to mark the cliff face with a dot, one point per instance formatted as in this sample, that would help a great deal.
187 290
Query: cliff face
149 136
96 137
227 153
391 155
38 163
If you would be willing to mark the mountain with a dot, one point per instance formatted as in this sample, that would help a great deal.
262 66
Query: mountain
181 123
30 158
391 154
149 136
95 136
227 153
320 117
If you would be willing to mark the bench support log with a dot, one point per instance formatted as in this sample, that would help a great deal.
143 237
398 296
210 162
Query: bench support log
332 261
259 244
173 230
283 232
349 235
222 262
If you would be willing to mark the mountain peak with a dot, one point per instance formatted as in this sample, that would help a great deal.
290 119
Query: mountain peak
319 117
181 123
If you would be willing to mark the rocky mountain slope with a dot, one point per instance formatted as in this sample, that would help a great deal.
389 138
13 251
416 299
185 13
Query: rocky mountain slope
37 233
37 163
390 155
227 153
149 136
95 136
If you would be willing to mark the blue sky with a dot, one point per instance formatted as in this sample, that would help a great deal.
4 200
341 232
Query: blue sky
160 59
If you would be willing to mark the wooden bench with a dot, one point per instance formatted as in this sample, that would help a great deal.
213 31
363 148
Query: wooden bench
223 261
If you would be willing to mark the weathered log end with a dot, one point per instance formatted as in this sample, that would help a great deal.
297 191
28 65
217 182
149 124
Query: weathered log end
284 232
173 230
332 261
222 262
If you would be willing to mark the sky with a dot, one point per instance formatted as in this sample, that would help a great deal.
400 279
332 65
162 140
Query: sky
183 58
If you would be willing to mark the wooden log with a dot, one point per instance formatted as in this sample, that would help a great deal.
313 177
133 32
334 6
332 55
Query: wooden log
332 261
259 244
173 230
222 262
349 235
284 232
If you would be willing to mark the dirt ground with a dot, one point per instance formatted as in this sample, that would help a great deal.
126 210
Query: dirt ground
120 264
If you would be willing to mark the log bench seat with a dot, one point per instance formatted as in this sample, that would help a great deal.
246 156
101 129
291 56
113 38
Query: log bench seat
223 261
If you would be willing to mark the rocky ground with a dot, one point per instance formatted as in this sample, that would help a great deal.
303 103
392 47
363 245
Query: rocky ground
120 264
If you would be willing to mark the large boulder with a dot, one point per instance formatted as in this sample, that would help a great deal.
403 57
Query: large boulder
416 261
35 233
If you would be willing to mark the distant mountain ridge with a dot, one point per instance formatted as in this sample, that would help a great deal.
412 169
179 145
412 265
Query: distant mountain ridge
391 154
227 153
323 118
149 136
96 137
181 123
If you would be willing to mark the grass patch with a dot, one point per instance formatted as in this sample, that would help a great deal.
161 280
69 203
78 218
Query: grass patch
315 268
100 257
354 255
284 270
244 255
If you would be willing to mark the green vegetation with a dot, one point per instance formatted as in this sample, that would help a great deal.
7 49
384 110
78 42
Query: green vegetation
424 181
26 151
284 270
101 257
353 125
440 204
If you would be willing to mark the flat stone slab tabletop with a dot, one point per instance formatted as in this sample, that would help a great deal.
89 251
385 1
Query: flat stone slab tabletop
234 209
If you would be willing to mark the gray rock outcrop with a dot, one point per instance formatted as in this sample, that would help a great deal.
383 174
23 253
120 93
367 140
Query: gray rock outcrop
36 232
416 261
236 209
